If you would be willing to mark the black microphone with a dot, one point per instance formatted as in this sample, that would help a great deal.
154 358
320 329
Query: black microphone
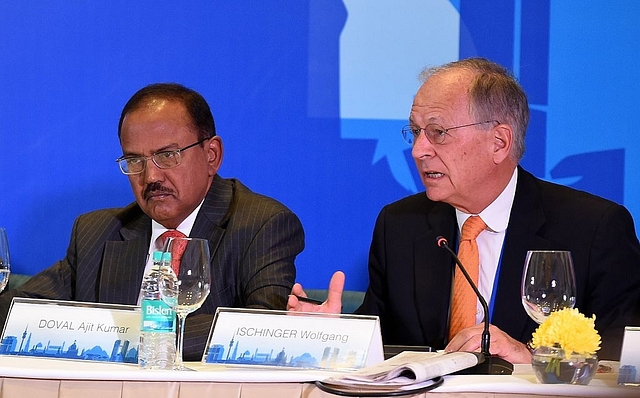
487 364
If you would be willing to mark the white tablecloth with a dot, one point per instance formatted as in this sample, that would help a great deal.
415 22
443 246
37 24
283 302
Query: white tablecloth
22 369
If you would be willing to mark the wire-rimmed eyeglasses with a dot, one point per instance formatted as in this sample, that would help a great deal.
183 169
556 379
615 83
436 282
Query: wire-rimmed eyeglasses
164 160
434 132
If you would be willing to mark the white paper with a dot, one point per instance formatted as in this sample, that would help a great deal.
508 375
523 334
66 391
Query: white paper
407 368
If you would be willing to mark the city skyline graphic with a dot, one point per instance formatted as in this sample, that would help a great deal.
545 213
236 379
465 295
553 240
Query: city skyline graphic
276 355
34 344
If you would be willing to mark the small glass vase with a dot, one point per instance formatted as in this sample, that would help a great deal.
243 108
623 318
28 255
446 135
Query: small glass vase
552 367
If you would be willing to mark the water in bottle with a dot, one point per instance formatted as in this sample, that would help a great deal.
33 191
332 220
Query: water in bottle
157 348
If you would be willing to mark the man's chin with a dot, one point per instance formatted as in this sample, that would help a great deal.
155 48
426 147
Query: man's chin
165 220
160 210
435 195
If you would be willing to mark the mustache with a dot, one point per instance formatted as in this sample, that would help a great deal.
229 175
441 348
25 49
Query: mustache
156 187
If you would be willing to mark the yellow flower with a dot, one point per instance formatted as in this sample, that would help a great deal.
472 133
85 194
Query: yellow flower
570 330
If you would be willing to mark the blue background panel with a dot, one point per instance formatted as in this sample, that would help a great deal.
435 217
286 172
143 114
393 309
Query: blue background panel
308 98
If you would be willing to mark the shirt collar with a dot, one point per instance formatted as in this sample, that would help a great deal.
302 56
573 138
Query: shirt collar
496 215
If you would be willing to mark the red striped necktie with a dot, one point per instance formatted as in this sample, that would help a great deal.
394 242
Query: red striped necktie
177 247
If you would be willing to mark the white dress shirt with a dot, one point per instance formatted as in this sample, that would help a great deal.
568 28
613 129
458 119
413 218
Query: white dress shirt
157 229
490 241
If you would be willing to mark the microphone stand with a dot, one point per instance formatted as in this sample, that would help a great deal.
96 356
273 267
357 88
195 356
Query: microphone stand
487 364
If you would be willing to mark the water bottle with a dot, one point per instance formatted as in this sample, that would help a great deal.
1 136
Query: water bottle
157 348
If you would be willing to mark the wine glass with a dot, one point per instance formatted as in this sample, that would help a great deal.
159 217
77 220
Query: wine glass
185 290
5 262
548 283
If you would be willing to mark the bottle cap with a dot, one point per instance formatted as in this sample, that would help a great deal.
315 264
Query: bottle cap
166 256
157 256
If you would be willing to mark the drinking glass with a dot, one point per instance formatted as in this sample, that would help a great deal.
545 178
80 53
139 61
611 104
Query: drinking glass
186 290
5 262
548 283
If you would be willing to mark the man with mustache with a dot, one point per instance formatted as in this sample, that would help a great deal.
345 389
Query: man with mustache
171 155
467 129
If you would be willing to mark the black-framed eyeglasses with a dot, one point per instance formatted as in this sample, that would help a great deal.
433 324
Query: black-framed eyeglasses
164 160
434 132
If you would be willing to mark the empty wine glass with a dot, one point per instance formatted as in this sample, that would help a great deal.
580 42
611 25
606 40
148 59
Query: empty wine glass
548 283
187 288
5 261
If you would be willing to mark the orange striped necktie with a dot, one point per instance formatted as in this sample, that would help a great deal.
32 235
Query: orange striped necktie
177 248
463 308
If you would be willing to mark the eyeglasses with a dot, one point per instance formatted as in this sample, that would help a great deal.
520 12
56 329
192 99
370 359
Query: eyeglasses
164 160
435 133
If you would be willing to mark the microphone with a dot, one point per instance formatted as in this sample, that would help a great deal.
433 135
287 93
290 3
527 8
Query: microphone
487 364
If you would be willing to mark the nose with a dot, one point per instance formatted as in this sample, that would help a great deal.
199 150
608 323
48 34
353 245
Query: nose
152 173
422 147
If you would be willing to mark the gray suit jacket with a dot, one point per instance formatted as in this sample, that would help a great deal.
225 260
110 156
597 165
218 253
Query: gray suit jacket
253 242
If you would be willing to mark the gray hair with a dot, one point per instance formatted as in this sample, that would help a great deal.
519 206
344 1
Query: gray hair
494 94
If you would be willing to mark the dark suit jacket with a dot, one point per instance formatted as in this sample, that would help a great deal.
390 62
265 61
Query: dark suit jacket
253 242
410 276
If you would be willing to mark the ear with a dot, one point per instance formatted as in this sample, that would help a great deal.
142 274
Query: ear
502 142
215 152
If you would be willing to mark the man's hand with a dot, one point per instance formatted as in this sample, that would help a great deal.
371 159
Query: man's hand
333 303
501 344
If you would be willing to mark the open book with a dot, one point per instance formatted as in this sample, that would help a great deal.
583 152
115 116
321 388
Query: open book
408 371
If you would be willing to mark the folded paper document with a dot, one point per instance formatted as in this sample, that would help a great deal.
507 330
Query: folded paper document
407 371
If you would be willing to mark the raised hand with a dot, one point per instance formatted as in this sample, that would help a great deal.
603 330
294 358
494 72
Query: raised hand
333 303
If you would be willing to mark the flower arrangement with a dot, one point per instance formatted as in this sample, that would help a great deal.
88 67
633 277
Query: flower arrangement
570 330
566 335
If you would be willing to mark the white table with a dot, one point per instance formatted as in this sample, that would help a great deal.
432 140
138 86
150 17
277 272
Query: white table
24 377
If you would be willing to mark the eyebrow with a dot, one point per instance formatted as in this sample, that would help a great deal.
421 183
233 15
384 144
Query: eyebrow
431 120
170 147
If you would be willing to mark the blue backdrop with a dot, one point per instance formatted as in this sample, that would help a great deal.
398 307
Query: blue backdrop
309 97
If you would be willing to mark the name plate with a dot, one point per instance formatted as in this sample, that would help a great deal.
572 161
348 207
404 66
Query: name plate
293 339
629 372
72 330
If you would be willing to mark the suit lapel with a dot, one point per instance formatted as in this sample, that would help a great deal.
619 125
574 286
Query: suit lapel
526 219
433 273
214 214
123 263
211 224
